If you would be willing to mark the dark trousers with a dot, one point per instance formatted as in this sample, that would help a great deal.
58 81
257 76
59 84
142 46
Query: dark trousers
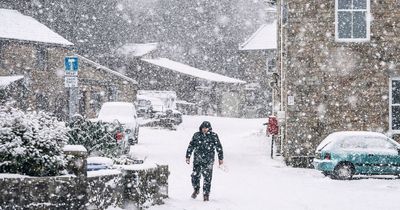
204 169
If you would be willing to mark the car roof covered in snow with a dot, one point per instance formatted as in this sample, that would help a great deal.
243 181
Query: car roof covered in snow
336 136
117 104
17 26
121 111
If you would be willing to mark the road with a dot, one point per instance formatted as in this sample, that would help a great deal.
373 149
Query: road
253 180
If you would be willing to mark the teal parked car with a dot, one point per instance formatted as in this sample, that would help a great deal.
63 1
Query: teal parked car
343 154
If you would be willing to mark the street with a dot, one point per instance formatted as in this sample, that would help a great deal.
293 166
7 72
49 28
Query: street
253 180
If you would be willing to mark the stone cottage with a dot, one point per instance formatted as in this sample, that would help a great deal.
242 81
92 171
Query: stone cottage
202 92
33 51
213 94
258 64
338 63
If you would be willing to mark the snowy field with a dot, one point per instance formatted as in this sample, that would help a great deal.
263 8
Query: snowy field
253 180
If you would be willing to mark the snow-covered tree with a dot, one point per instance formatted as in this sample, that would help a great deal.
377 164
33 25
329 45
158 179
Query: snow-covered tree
30 143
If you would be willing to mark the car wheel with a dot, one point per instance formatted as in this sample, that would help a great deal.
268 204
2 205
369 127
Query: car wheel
343 171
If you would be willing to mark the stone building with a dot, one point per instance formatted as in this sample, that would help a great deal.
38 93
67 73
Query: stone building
338 63
33 51
212 93
202 92
99 84
257 66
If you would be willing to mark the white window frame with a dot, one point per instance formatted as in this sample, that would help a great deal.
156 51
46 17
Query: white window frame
368 19
391 105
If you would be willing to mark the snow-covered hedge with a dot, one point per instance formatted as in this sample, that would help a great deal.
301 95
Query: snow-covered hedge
31 143
96 137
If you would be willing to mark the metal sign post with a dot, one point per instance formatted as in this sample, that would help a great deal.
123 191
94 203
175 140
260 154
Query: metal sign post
71 82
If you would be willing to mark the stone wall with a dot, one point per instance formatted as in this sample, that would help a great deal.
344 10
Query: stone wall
42 193
139 185
141 188
146 187
336 85
104 191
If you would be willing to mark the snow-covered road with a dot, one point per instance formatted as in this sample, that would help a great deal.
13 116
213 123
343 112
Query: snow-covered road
254 181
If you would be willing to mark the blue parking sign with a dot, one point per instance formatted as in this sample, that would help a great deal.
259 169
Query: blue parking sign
71 65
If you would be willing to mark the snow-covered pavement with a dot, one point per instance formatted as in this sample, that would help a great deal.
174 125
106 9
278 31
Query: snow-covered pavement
253 180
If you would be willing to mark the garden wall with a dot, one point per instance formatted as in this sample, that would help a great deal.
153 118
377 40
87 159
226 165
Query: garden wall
142 185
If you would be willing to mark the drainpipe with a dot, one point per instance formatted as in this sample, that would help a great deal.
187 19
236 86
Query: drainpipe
282 77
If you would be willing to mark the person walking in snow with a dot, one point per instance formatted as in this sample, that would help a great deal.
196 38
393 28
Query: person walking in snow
203 145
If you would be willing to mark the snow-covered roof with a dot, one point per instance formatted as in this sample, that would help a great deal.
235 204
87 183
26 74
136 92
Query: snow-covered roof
191 71
96 65
136 50
15 25
265 38
7 80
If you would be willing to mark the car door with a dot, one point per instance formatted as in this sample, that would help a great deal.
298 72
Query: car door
357 153
391 157
383 154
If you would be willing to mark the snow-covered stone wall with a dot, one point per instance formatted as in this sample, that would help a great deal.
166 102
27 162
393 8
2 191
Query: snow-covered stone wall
67 192
100 190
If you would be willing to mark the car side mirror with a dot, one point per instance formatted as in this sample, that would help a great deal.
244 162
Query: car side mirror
398 151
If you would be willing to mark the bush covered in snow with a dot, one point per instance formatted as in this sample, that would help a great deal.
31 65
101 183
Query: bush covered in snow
96 137
31 143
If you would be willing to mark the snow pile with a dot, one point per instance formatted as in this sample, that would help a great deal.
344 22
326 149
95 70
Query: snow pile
30 143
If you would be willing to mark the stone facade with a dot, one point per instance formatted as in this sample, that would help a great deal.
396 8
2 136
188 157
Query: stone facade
335 85
42 66
99 84
257 73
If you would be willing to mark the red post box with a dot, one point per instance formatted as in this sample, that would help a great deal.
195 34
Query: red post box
273 128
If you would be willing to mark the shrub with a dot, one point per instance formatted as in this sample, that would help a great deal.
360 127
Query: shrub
96 137
31 143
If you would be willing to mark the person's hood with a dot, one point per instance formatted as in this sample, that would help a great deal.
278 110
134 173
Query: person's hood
205 124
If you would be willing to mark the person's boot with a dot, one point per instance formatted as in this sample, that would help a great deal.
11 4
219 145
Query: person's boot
206 197
194 194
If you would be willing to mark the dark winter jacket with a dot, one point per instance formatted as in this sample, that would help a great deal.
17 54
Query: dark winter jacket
203 146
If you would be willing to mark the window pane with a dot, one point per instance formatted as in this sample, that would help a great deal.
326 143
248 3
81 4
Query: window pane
344 24
359 4
396 117
344 4
359 25
395 91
